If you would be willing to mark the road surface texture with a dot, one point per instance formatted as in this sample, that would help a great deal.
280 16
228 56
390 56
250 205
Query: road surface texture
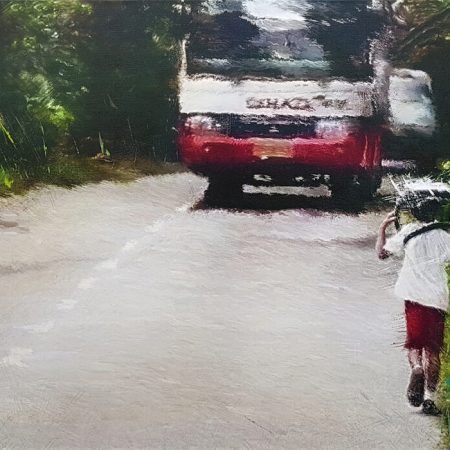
131 319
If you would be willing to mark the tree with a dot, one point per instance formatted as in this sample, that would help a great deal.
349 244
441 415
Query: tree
83 68
131 57
423 42
38 73
344 29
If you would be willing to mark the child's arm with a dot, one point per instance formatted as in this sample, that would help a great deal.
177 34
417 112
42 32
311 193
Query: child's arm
381 240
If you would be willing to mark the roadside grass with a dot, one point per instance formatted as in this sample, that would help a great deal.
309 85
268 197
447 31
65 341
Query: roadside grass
29 157
444 390
70 171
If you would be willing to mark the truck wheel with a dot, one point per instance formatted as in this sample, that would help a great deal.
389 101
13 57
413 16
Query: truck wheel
344 190
223 190
368 184
353 190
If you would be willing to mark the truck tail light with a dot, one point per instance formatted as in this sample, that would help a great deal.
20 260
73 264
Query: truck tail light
332 129
202 125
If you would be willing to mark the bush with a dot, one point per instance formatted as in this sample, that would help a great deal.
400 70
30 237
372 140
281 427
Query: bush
74 70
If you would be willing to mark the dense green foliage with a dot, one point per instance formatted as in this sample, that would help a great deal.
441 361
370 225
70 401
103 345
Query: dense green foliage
86 76
129 81
36 40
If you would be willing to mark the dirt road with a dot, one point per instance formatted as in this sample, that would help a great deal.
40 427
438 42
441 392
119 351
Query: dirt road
129 319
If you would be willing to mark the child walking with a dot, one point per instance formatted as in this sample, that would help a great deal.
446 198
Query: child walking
422 285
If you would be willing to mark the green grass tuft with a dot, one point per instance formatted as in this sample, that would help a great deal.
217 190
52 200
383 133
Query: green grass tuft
444 390
70 171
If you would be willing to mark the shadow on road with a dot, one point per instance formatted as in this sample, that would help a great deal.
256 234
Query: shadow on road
262 202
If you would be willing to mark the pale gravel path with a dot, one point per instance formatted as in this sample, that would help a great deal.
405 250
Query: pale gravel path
129 320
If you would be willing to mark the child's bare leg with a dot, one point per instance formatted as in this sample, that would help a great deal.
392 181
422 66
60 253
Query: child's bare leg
415 358
432 364
416 386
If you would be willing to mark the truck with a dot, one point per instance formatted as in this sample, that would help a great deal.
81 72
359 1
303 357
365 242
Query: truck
284 93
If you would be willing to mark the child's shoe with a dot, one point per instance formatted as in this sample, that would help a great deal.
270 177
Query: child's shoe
416 387
430 409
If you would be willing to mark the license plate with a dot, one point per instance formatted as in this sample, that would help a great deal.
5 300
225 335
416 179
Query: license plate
273 148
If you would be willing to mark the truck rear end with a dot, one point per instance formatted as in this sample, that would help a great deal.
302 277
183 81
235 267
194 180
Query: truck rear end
272 106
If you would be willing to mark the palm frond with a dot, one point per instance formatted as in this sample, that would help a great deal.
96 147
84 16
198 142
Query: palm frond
434 28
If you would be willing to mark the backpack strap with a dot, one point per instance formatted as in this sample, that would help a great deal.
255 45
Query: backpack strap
432 226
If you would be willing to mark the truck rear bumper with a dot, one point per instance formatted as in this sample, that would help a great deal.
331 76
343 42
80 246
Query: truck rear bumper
208 154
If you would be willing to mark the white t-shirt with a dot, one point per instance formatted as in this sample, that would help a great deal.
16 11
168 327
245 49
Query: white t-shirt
422 278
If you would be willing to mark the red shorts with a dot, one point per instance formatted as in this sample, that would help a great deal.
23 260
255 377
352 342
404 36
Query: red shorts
424 327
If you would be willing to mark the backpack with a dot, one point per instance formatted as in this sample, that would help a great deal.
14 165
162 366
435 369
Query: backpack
432 226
